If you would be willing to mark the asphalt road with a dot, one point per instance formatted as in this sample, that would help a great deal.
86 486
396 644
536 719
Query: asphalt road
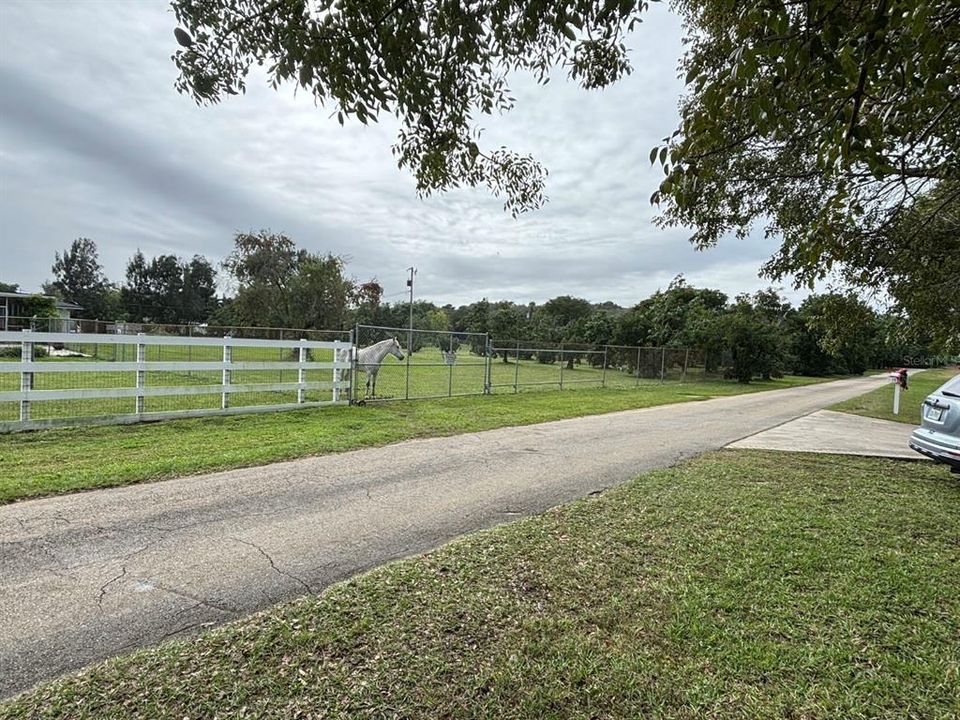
92 575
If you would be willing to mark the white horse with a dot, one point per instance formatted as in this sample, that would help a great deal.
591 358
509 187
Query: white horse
370 358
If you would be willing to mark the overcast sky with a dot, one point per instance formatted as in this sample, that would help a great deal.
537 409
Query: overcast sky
95 142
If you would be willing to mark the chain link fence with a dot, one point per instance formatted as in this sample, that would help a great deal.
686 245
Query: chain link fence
409 364
523 365
446 364
434 363
538 365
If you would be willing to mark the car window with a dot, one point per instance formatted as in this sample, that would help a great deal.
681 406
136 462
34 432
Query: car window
952 386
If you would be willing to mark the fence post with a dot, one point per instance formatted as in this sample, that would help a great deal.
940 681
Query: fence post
26 377
448 359
409 353
516 370
488 365
603 378
663 362
638 366
141 374
686 361
225 377
561 366
302 374
354 355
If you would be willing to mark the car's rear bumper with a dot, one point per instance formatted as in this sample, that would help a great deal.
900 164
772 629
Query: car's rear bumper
937 446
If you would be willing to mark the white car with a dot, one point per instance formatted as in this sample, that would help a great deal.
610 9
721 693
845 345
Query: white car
938 436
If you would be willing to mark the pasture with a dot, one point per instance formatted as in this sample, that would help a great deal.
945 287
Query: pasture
423 375
734 585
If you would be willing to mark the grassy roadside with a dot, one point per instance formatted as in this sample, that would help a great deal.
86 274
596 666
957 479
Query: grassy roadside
59 461
736 585
879 403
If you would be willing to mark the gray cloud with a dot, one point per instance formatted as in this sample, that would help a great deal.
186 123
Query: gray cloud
111 155
94 141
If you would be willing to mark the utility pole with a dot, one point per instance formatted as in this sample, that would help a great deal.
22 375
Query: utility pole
413 272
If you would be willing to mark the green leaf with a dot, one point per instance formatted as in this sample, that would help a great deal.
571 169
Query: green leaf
182 37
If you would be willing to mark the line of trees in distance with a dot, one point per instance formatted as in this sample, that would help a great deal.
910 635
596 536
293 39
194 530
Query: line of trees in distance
278 284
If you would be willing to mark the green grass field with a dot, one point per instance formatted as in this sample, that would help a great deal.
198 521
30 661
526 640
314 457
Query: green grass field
735 585
65 460
879 403
428 377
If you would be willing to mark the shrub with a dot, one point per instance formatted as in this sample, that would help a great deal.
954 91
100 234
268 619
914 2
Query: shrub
13 351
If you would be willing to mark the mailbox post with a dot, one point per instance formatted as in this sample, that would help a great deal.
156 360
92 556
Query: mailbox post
900 381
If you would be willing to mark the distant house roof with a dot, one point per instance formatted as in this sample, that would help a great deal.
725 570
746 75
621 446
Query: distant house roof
62 304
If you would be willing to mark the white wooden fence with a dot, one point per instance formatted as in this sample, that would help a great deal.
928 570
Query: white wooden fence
97 384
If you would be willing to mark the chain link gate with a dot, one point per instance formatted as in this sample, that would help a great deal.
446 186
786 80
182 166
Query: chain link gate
436 363
543 365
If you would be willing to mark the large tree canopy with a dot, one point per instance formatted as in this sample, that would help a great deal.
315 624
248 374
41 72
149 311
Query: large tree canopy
837 125
280 285
824 120
79 278
436 65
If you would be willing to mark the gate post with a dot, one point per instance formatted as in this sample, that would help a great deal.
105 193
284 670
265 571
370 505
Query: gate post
141 373
663 360
225 376
603 378
516 370
561 366
302 374
686 361
354 354
406 395
638 366
487 351
26 377
450 360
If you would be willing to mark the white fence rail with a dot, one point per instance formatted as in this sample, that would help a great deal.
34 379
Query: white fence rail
56 379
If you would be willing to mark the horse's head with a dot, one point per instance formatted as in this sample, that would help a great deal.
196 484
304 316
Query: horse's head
395 349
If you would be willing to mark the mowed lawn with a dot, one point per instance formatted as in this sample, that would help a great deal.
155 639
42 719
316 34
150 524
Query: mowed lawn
879 403
735 585
66 460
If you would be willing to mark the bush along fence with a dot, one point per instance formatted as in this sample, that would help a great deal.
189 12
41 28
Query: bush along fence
50 379
58 379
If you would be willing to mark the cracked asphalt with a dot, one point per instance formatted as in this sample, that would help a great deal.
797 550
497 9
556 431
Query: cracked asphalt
91 575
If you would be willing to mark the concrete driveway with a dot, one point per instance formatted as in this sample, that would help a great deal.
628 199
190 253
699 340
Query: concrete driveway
91 575
837 433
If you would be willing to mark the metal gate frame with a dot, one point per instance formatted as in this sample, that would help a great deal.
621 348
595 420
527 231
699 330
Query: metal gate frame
455 340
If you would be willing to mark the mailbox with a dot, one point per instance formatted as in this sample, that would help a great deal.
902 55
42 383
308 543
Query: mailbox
900 377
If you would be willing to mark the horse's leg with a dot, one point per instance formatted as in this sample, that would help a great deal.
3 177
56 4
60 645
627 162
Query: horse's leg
375 384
